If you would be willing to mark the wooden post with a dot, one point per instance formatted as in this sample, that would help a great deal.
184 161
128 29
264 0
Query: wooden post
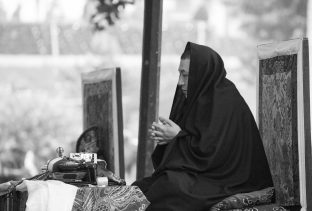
307 122
149 83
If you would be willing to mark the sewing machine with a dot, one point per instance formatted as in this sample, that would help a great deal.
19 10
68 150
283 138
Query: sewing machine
78 168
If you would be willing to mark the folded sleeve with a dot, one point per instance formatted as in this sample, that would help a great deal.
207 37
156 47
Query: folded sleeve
182 134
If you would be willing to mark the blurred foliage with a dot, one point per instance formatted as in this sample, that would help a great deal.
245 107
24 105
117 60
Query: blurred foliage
274 19
106 12
2 12
37 39
31 121
262 22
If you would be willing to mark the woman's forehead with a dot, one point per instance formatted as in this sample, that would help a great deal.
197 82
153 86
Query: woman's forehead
184 65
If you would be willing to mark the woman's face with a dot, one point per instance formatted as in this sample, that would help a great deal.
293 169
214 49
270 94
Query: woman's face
184 72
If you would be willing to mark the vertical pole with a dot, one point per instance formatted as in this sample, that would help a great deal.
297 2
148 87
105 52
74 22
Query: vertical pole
307 122
55 46
309 35
149 83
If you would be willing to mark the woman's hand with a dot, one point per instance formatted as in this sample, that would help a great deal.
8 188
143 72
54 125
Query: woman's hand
165 132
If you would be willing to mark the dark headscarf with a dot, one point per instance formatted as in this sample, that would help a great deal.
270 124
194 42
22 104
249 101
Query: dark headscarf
219 139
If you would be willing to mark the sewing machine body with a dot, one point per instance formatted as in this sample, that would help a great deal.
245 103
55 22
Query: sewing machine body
73 171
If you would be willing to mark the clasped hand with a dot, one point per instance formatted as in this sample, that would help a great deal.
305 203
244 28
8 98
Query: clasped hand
163 133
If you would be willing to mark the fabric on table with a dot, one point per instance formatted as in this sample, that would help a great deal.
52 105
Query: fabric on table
4 187
111 198
245 200
21 187
49 195
37 195
61 196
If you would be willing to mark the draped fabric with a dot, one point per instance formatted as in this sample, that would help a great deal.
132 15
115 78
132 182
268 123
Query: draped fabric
111 198
219 151
48 195
53 195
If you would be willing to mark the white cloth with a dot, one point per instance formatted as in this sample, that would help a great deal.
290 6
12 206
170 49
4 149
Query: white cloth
49 195
281 48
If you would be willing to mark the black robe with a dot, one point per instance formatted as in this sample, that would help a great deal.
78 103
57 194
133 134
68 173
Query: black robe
219 151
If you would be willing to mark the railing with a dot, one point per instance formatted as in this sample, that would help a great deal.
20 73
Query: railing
13 201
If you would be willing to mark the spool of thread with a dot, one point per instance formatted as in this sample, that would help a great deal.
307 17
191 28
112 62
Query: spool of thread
60 152
102 181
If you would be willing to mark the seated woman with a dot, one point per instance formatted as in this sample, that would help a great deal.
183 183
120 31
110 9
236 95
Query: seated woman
210 148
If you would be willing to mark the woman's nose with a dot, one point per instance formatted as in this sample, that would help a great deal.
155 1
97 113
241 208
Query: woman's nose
181 81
